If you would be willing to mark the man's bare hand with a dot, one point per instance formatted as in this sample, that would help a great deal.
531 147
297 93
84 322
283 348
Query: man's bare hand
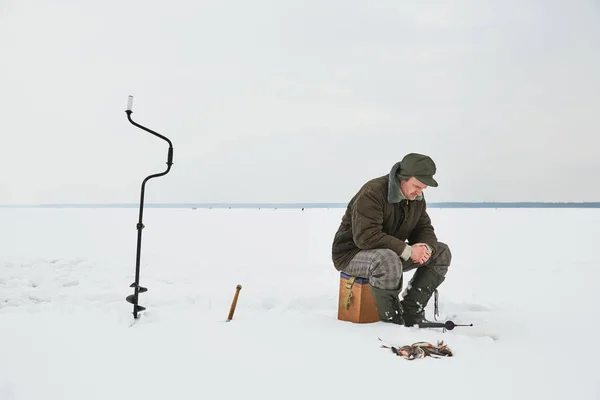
419 253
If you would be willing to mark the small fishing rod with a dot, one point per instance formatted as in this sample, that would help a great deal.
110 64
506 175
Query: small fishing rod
449 325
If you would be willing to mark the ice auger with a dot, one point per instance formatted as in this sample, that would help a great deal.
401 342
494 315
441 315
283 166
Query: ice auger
133 298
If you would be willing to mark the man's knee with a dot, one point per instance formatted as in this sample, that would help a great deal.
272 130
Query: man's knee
443 254
387 270
443 258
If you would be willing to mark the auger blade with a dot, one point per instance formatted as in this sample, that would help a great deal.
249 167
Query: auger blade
139 308
141 289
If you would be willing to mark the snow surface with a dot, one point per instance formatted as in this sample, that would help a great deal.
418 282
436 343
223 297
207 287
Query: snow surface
526 279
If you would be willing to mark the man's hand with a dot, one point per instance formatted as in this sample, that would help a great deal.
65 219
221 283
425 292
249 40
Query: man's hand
419 253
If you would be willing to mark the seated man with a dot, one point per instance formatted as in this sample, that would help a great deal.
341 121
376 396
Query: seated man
385 232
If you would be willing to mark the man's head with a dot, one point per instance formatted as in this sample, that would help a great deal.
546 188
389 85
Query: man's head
416 174
412 188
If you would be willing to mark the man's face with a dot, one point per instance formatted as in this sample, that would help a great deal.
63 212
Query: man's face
412 188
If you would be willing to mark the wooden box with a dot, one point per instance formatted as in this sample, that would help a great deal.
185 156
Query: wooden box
356 302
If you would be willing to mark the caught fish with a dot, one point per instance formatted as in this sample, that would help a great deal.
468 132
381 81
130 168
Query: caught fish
421 350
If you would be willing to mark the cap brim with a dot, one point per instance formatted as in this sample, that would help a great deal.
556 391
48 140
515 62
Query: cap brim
427 180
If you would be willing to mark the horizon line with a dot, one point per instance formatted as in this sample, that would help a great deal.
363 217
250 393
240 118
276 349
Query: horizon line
453 204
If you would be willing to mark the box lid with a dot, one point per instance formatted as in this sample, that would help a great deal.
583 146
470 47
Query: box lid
359 280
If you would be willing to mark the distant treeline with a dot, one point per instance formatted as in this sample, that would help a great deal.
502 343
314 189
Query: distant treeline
312 205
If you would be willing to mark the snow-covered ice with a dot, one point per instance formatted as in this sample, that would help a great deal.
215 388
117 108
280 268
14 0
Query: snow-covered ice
526 278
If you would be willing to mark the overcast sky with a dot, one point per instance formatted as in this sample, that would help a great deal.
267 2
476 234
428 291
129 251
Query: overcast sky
298 101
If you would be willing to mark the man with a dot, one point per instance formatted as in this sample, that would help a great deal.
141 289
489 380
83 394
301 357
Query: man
385 232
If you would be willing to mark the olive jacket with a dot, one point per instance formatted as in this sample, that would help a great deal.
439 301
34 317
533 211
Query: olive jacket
378 217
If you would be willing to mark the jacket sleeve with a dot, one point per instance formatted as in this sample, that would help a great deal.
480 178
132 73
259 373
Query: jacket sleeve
424 231
367 224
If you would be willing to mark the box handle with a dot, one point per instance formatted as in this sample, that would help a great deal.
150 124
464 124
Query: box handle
348 296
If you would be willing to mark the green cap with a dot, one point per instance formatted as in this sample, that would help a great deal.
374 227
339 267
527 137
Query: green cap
420 166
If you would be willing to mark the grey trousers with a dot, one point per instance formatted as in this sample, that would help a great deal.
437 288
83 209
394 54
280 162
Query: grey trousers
383 268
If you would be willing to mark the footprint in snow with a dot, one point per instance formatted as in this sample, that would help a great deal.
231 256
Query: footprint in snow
38 300
464 307
268 304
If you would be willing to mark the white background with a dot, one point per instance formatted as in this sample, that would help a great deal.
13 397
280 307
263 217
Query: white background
298 101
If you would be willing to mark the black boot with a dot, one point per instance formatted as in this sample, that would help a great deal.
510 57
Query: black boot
418 292
388 304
